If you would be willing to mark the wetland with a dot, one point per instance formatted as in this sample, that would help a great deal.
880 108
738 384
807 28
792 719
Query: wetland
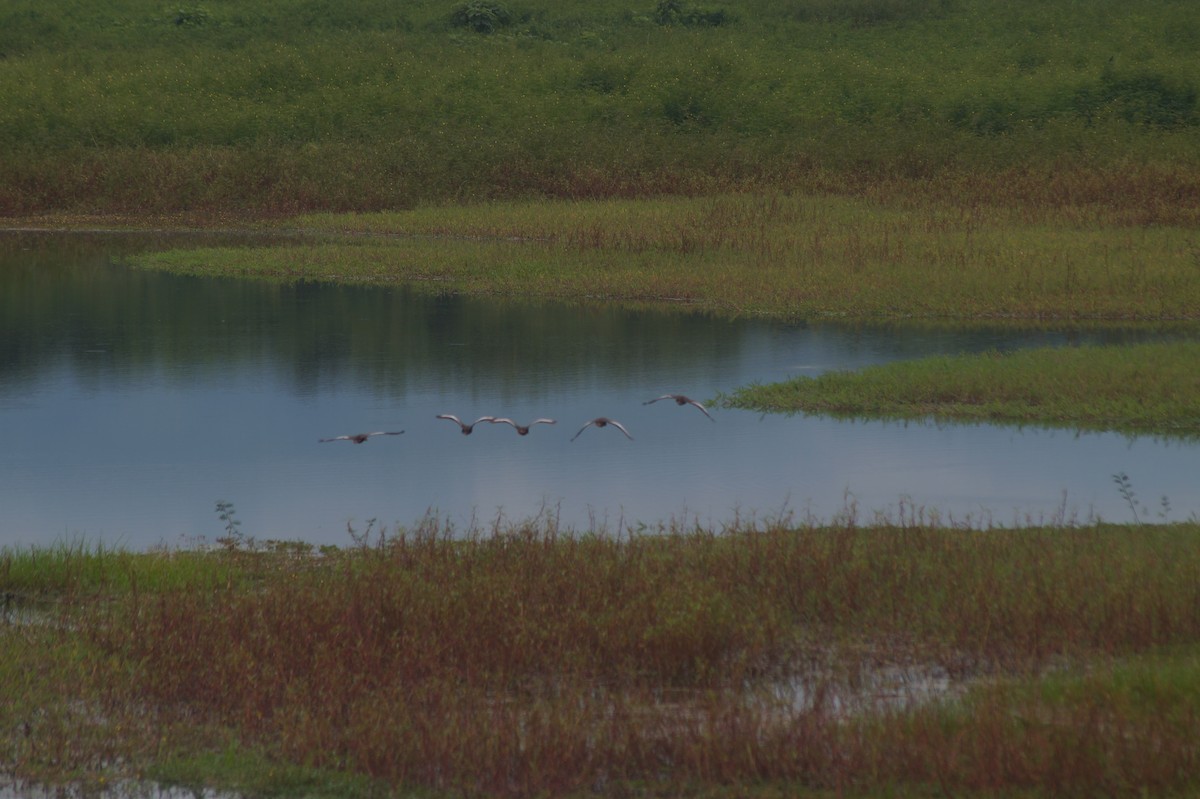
133 401
932 267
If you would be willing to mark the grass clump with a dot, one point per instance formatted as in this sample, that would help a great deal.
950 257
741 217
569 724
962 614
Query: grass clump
481 16
529 661
1143 388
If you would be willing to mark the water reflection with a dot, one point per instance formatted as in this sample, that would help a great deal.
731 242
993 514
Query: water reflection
131 402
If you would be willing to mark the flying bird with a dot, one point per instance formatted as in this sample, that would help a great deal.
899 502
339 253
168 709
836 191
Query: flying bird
359 438
466 428
603 421
680 399
522 429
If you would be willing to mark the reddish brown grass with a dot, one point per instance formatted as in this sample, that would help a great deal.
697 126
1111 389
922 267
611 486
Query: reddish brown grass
531 662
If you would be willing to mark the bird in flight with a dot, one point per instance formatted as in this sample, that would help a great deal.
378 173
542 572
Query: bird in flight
522 429
603 421
680 399
466 428
359 438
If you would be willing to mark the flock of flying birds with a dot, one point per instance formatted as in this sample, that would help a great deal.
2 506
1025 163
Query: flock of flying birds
523 429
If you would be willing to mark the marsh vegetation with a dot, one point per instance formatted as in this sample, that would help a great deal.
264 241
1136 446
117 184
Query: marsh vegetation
1144 388
867 655
278 108
931 161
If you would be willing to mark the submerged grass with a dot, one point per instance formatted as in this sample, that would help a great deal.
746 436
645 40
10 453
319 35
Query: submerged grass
762 658
1142 388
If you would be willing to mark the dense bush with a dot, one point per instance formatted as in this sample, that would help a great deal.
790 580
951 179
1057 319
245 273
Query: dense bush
481 16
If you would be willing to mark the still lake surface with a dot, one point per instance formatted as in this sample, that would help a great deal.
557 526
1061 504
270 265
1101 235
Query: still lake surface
132 402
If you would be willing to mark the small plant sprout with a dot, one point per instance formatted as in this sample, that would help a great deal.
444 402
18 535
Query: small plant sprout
1125 488
233 538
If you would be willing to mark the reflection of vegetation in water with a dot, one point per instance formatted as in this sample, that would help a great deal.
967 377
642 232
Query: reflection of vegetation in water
527 661
110 320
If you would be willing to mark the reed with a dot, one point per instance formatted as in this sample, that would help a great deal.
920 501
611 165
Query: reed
531 661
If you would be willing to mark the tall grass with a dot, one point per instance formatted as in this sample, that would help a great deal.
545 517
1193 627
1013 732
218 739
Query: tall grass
528 661
276 108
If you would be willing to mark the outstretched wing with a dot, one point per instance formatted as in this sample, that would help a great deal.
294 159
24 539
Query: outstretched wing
701 407
656 399
620 427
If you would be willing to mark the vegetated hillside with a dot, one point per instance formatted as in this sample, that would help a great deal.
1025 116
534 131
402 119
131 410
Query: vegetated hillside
277 107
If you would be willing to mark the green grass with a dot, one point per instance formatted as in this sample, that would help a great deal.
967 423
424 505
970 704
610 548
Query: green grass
528 661
1144 388
789 256
274 108
246 771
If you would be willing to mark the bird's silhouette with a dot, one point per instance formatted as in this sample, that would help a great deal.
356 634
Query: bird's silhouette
680 399
359 438
522 429
466 428
603 421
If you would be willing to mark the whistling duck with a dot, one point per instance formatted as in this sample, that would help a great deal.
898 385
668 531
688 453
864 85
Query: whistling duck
359 438
466 428
522 429
603 421
681 400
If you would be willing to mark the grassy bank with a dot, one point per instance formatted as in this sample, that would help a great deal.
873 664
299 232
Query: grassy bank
282 107
1144 388
783 255
889 657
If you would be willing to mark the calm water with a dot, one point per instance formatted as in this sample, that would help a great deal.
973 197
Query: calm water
132 402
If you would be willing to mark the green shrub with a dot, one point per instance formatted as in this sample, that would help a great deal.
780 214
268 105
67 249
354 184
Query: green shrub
481 16
864 13
192 17
1147 98
673 12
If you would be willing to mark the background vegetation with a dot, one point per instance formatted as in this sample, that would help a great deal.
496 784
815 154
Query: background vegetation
278 107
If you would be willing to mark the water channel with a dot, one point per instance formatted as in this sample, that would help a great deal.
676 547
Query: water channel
132 402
